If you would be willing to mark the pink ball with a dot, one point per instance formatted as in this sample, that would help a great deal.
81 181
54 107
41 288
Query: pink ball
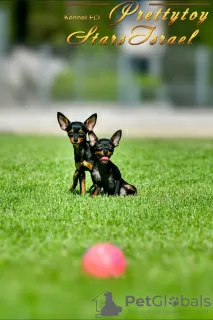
104 260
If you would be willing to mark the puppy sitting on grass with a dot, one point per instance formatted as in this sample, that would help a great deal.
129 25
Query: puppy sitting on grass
105 174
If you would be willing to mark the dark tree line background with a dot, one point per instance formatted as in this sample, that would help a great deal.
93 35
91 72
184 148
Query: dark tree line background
36 21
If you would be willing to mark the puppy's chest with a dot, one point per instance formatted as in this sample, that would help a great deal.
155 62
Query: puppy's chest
80 154
83 159
102 178
96 176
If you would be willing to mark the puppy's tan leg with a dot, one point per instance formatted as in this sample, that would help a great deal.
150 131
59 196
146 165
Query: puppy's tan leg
75 180
82 179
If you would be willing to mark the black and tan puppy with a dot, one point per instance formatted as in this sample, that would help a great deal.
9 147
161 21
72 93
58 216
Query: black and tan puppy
105 174
77 132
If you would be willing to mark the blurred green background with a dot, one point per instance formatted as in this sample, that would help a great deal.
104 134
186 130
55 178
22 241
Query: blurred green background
39 26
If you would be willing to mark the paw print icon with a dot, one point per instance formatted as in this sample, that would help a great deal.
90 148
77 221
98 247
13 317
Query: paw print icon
173 301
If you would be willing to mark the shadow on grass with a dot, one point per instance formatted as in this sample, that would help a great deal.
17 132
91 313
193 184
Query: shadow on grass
77 192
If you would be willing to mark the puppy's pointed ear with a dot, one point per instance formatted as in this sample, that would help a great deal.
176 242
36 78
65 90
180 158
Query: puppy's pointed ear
92 138
90 122
116 138
63 121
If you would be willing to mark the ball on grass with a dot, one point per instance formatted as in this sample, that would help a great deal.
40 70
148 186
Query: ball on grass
104 260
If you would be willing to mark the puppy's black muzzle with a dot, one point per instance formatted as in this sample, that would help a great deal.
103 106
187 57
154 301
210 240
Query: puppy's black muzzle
75 138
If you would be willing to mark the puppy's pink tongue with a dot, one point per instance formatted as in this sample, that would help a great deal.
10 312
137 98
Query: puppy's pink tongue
104 158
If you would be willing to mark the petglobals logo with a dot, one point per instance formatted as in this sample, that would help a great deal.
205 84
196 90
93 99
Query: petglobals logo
106 304
165 301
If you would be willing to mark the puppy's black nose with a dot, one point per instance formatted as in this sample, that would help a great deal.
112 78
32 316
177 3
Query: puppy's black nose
75 139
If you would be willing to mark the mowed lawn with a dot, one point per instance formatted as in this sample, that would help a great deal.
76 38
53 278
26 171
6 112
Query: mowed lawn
166 231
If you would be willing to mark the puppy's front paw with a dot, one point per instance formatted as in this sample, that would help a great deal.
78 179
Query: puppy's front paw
95 192
72 189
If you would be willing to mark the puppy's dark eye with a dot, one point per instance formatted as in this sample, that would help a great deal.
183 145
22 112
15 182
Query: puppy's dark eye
70 134
81 134
110 148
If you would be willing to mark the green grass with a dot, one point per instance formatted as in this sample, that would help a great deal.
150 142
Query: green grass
165 231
